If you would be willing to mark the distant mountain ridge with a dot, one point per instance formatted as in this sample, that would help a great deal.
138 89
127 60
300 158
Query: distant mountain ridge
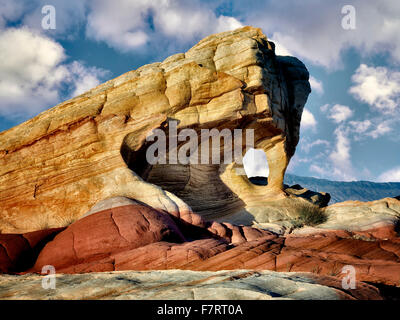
343 191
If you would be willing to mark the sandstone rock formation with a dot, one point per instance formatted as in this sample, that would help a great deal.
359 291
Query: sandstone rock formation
77 192
185 285
58 165
320 199
20 251
106 240
136 237
375 219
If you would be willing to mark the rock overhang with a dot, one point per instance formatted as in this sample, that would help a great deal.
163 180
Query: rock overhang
229 80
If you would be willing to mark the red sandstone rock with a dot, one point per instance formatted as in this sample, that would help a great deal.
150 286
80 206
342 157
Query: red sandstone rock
19 251
137 237
100 234
384 232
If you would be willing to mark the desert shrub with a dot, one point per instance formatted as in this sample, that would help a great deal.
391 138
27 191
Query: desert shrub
309 215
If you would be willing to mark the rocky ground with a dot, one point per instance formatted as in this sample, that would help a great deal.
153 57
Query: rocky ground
121 234
184 285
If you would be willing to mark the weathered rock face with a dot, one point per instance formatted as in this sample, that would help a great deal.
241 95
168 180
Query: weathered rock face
56 166
136 237
376 219
81 167
185 285
320 199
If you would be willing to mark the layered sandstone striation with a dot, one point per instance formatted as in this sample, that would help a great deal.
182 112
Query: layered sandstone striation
185 285
58 165
134 236
77 192
373 219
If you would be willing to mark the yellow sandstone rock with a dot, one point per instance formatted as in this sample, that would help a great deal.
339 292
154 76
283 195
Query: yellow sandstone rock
56 166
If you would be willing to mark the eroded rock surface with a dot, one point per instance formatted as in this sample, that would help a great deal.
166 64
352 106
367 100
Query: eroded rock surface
376 219
136 237
80 167
185 285
56 166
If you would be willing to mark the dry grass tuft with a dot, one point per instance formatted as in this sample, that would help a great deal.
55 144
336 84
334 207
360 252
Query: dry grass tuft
308 214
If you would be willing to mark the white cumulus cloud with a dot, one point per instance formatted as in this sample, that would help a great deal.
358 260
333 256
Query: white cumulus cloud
339 165
255 163
130 24
360 126
308 120
84 78
339 113
316 85
341 154
380 130
33 73
280 50
313 30
392 175
377 86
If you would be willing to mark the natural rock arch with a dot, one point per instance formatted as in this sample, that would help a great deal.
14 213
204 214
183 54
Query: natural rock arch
56 166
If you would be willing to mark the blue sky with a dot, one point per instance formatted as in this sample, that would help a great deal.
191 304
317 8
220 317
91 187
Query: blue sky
351 123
